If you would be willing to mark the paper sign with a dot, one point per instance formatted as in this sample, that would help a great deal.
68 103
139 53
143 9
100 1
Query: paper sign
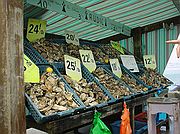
73 67
117 46
31 71
36 29
115 66
87 59
172 69
129 62
71 37
149 61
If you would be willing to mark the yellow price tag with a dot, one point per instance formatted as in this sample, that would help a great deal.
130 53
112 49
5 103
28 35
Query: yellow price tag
87 59
36 29
115 66
149 61
73 67
117 46
31 71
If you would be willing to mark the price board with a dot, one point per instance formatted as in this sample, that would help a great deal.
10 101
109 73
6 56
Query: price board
117 46
149 61
31 71
129 62
71 37
87 59
115 66
73 67
36 29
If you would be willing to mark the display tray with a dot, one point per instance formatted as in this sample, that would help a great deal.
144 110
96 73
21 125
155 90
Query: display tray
39 94
137 85
152 78
113 84
89 78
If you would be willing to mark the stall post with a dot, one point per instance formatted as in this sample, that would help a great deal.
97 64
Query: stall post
12 105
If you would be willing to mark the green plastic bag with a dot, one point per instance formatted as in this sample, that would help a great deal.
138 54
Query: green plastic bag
98 126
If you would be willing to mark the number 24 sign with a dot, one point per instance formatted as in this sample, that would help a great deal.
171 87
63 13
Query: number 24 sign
36 29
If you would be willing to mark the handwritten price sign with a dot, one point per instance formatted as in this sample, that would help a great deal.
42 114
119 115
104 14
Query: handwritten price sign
36 29
31 71
72 37
115 66
149 61
87 59
73 67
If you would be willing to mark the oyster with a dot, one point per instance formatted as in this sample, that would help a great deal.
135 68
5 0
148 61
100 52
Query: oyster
89 93
50 95
52 52
133 83
116 88
152 78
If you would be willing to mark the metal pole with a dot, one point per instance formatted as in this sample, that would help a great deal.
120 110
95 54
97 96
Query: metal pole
12 106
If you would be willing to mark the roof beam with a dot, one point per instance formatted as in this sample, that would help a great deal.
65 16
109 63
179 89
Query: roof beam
177 4
73 10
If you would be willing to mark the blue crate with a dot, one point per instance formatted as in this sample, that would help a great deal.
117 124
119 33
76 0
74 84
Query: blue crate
140 127
32 53
117 78
138 81
90 78
40 118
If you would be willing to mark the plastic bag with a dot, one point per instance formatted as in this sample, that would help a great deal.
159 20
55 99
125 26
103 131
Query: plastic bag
98 126
125 127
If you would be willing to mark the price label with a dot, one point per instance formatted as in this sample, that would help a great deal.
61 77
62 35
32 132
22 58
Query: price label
115 66
87 59
36 29
73 67
72 37
149 61
31 71
117 46
129 62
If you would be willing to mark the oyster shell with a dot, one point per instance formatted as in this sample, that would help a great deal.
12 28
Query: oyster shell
50 95
89 93
116 88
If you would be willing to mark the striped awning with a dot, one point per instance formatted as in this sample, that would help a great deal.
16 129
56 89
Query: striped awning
132 13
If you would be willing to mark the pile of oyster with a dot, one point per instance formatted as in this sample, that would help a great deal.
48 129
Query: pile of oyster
52 52
72 50
152 78
133 83
110 51
116 88
89 93
50 95
98 54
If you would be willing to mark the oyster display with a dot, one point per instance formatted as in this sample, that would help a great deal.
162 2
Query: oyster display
133 83
89 93
50 95
116 88
52 52
152 78
99 55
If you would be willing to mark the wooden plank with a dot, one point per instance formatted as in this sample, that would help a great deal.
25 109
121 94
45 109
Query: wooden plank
137 37
12 110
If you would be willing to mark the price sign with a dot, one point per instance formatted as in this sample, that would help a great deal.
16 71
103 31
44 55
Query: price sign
115 66
31 71
117 46
36 29
129 62
73 67
71 37
149 61
87 59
